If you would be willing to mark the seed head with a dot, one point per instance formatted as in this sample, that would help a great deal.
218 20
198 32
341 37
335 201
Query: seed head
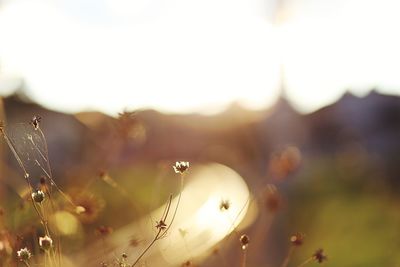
45 242
244 241
319 256
224 205
24 254
181 166
297 239
38 196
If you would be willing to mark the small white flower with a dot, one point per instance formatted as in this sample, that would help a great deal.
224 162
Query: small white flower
45 242
38 196
24 254
181 166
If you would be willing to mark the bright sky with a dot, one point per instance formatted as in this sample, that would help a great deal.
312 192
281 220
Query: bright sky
196 55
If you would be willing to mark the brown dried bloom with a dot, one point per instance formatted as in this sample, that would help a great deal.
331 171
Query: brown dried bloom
244 241
181 166
319 256
42 180
297 239
187 264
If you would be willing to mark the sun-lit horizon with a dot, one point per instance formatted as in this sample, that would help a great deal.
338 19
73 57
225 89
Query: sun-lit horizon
188 56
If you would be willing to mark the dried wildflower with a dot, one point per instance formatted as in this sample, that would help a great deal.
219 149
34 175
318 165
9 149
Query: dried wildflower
181 166
104 230
161 225
134 242
215 251
42 180
187 264
38 196
244 241
88 206
35 121
224 205
319 256
45 242
284 162
297 239
273 200
24 254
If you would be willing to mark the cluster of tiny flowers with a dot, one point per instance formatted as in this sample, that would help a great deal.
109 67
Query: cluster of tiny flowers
38 196
24 254
181 166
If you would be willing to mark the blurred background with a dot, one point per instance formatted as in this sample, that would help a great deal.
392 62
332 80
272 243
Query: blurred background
298 96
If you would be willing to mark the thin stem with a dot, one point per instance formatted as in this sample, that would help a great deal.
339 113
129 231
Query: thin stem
176 207
305 262
148 247
288 256
244 258
166 210
158 235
